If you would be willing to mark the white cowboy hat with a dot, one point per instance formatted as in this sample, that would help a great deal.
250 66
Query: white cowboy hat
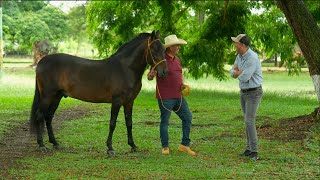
173 40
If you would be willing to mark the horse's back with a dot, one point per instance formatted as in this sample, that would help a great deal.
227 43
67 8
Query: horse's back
56 60
84 79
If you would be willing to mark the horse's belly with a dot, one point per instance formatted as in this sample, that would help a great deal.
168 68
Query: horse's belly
91 95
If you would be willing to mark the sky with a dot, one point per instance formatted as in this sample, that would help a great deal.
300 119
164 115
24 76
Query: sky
66 5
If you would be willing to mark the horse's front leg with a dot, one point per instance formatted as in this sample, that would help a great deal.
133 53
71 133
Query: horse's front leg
128 117
115 107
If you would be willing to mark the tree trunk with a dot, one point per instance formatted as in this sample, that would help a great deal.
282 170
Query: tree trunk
1 44
275 60
307 33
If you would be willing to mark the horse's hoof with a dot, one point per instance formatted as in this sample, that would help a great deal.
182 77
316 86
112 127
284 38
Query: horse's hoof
111 152
57 147
135 149
43 149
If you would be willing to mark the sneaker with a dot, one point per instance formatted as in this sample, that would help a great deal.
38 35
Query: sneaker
245 153
186 149
254 156
165 151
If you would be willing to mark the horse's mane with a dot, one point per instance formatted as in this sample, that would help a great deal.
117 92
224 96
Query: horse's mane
132 44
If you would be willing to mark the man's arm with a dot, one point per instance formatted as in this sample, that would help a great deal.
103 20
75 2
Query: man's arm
235 72
248 70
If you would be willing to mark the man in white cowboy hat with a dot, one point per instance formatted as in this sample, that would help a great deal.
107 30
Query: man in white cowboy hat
247 68
169 95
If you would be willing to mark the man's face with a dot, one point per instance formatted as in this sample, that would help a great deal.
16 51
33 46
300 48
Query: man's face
239 47
174 49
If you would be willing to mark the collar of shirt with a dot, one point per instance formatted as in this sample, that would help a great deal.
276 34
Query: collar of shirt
246 54
169 57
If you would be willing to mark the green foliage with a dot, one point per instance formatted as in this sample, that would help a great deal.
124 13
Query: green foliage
31 6
207 54
10 8
32 29
272 35
77 22
167 11
314 8
112 23
28 21
56 20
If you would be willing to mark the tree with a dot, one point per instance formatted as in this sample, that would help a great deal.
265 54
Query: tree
112 23
56 20
31 28
307 33
27 22
77 23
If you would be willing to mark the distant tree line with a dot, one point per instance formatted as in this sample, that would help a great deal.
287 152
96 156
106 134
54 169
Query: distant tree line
25 23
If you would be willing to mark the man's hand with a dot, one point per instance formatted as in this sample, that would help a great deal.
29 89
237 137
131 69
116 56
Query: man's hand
151 74
237 72
182 87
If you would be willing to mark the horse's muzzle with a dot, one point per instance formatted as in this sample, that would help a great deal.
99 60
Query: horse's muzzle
162 73
162 69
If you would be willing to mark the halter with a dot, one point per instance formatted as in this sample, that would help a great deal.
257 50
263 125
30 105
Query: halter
149 51
155 65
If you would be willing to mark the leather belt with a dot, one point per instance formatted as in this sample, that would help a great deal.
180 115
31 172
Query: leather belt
250 89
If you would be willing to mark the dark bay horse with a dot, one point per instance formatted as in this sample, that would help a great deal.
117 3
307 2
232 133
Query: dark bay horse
115 80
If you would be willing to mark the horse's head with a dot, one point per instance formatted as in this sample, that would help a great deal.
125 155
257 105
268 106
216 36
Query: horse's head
155 54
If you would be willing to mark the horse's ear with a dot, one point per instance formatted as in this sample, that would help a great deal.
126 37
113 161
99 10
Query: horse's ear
158 34
153 34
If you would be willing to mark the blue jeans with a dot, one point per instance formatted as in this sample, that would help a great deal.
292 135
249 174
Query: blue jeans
184 114
249 104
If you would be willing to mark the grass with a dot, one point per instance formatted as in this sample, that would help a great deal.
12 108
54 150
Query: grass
217 134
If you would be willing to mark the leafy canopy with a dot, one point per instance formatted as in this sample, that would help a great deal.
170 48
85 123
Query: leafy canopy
112 23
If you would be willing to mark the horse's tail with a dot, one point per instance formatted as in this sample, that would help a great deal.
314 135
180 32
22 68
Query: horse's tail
35 120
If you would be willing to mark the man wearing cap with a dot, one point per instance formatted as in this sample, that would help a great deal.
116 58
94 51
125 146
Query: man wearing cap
247 68
169 95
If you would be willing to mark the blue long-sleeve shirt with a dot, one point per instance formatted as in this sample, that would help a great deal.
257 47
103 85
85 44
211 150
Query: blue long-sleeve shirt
250 65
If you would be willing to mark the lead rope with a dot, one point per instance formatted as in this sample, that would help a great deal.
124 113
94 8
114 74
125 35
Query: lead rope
155 65
162 101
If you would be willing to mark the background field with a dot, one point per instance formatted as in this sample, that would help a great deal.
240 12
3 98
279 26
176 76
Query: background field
217 133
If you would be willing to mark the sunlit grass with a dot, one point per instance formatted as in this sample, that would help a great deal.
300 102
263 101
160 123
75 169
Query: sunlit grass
217 134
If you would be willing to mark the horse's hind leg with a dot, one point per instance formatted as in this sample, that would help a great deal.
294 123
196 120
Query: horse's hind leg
115 107
41 115
52 109
128 117
39 125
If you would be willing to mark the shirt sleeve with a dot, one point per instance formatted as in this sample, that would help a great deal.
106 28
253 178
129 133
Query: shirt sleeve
234 64
247 70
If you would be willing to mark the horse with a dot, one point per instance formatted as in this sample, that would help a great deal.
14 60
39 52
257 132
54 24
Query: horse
115 80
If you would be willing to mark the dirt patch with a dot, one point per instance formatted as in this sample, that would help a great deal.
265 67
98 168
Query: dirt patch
19 143
290 129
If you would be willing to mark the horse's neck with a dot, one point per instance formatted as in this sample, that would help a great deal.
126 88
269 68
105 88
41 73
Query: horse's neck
136 61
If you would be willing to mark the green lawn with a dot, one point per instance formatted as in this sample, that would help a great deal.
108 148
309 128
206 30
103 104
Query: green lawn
217 134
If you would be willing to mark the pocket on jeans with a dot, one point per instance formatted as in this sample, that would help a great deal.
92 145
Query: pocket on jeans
258 93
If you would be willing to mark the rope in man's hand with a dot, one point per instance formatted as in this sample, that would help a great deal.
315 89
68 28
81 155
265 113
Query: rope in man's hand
185 90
